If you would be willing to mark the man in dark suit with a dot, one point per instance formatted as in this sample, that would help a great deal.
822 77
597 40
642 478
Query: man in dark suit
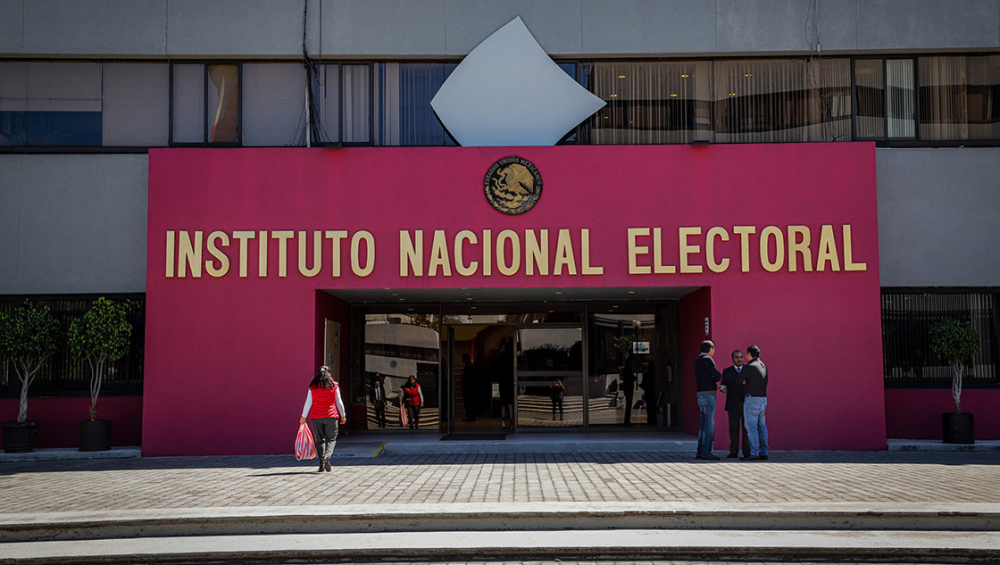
377 396
732 385
755 403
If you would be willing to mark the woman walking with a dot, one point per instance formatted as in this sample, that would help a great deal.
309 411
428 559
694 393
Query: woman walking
413 399
326 411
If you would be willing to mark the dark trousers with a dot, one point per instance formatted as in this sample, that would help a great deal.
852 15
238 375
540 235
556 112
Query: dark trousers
735 427
413 415
380 415
557 403
325 432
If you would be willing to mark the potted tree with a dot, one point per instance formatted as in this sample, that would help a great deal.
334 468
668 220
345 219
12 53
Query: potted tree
28 337
100 336
954 343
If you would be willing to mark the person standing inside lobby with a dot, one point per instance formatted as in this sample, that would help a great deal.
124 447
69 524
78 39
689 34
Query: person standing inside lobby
706 375
732 386
755 403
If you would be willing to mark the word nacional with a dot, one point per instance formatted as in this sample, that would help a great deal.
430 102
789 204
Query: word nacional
508 252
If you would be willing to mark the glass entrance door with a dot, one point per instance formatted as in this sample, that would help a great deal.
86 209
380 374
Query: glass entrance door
549 385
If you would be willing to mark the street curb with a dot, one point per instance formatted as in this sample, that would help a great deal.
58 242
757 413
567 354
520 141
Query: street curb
742 545
497 518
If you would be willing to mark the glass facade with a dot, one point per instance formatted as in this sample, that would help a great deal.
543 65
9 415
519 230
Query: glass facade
930 99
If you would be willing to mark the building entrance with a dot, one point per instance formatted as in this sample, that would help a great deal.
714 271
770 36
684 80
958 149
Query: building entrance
571 366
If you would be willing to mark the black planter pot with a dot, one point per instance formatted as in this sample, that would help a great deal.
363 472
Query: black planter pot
95 435
958 428
19 437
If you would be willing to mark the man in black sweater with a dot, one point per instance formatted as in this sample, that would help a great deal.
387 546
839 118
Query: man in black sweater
755 403
706 376
732 385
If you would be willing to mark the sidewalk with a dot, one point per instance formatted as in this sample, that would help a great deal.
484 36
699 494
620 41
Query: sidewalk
868 505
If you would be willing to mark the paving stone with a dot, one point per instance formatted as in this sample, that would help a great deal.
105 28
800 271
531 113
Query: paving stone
203 482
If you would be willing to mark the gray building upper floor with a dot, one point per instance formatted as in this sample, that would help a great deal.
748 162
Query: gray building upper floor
449 29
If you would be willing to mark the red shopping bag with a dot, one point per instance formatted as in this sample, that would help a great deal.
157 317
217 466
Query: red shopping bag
403 420
305 447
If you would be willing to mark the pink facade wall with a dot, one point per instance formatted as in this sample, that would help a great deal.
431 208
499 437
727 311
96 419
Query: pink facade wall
228 358
916 414
59 418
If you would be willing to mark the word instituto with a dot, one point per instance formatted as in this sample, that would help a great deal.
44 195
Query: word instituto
541 252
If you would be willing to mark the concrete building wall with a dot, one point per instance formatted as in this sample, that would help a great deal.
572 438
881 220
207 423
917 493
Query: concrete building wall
450 28
73 224
938 216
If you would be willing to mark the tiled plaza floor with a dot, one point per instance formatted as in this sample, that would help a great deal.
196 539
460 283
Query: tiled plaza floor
205 482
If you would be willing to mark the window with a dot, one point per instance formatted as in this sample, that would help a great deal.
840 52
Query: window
64 374
356 103
403 113
206 104
886 98
960 97
83 104
907 319
652 102
274 104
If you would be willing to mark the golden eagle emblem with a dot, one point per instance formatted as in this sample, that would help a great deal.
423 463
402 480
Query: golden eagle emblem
512 185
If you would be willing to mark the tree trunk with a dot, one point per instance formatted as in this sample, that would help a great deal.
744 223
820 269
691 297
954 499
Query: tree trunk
22 411
956 385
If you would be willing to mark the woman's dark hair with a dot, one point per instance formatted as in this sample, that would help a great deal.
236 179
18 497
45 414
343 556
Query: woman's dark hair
409 384
323 379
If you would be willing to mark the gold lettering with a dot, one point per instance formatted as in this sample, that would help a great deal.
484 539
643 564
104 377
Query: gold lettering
262 254
779 249
564 254
713 265
335 237
799 246
170 254
317 254
411 253
356 253
460 266
214 251
511 268
744 232
189 255
282 236
487 253
827 250
688 249
585 251
242 237
634 250
439 255
536 253
849 264
658 266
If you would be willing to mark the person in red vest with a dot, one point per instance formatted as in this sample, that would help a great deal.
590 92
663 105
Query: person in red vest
413 400
325 409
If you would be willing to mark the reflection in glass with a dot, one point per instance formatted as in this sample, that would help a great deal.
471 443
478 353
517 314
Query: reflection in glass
960 97
652 102
397 346
622 385
223 103
782 100
871 98
549 377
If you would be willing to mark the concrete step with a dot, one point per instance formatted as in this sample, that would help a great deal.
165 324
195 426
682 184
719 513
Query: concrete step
759 545
416 518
